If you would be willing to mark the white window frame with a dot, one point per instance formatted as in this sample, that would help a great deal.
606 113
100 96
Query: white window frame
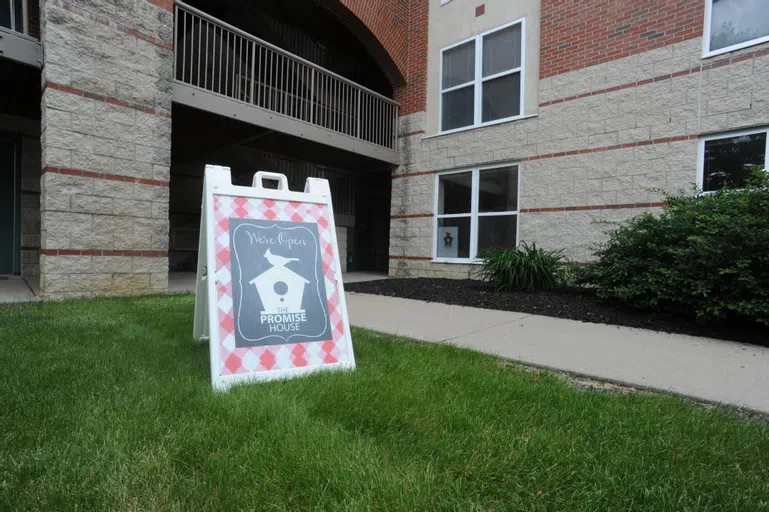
479 79
474 214
24 17
725 135
706 36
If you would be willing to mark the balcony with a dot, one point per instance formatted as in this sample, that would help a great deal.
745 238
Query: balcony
222 69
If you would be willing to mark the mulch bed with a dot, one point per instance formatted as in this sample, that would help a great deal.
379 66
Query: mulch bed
573 304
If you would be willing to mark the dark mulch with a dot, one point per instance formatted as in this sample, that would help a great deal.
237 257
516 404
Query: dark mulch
574 304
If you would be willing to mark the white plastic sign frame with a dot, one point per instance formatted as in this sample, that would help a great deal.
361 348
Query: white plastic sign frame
216 313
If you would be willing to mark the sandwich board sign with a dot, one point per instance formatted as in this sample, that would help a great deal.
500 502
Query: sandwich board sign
269 292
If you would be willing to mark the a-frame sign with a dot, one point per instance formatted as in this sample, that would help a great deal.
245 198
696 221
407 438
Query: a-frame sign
269 293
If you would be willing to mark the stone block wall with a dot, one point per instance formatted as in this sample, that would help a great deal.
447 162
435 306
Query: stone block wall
106 145
607 142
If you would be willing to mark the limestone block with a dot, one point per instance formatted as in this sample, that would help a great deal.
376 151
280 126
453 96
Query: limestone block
94 240
159 281
150 265
54 283
150 193
91 204
55 157
64 264
155 155
133 241
104 264
160 210
112 188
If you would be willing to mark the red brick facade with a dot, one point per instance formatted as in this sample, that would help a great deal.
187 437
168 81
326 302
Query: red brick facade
395 33
579 33
413 96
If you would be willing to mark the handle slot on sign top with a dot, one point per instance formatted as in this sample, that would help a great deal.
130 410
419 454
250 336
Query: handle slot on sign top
260 176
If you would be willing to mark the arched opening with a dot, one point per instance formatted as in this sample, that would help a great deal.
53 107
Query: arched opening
360 184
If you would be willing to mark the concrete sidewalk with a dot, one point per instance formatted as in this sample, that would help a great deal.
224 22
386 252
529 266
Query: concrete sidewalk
700 368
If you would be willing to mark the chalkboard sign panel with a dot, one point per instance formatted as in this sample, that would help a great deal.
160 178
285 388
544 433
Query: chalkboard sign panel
278 287
269 283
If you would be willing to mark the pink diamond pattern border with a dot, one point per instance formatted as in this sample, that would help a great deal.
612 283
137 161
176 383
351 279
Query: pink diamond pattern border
274 357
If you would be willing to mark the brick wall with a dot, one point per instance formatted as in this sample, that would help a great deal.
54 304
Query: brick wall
579 33
106 143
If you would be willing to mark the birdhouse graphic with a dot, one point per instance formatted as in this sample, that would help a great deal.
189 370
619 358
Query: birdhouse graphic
280 288
448 240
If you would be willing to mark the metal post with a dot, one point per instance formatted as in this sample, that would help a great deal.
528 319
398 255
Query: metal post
358 109
312 94
253 70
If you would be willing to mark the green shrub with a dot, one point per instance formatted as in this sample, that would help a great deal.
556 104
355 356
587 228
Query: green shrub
526 268
705 256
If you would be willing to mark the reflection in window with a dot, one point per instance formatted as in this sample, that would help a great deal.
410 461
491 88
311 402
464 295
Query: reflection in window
729 161
736 22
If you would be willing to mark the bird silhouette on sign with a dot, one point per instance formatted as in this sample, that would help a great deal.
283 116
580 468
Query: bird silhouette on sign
278 261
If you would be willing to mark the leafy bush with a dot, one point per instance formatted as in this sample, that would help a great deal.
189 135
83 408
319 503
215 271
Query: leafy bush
526 268
706 256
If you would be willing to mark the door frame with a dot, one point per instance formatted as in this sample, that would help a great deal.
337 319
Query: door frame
15 140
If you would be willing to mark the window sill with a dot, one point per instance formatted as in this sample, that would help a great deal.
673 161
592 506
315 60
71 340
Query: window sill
480 126
457 261
708 54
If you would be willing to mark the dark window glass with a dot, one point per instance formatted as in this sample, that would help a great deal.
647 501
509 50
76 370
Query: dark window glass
502 97
455 193
458 108
497 231
5 13
730 161
498 190
18 14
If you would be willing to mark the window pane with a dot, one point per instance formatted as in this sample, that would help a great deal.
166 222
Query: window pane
455 193
730 161
498 190
459 65
5 14
497 231
453 238
458 108
18 14
502 97
502 50
737 21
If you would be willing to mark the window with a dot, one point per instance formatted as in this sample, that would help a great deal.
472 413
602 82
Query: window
482 79
728 159
475 210
13 14
734 24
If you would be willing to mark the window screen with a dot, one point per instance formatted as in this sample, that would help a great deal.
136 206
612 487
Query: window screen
459 65
502 50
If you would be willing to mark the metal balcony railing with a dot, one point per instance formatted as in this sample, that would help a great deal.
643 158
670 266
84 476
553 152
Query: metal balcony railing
217 57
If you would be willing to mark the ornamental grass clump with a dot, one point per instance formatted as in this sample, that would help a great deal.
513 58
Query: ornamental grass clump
526 268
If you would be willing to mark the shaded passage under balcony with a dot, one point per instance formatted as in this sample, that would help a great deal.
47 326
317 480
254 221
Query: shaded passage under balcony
224 70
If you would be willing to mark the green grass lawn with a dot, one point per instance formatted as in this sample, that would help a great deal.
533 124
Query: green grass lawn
106 405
